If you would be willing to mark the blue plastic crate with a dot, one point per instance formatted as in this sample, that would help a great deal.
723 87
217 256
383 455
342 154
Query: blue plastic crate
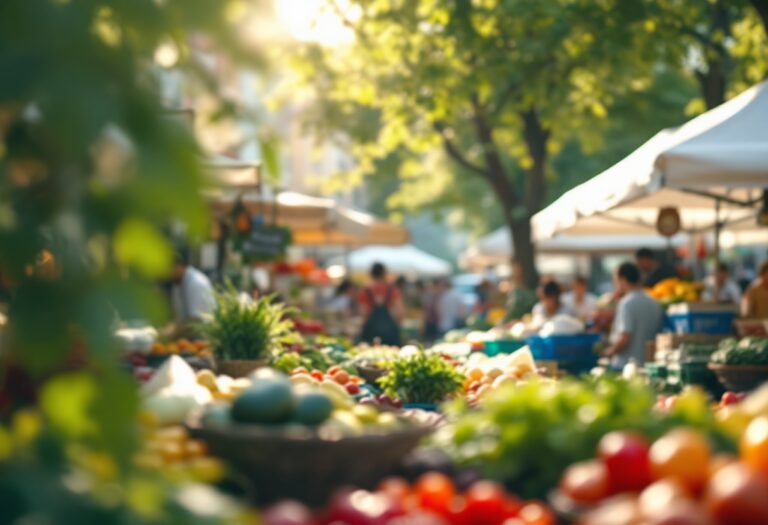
502 346
574 353
715 323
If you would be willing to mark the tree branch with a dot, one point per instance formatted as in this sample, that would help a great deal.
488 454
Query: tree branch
761 6
453 151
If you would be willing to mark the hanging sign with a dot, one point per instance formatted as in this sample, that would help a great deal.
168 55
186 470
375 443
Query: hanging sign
668 222
265 242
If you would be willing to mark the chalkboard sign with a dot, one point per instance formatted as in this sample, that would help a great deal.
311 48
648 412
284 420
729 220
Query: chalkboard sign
265 241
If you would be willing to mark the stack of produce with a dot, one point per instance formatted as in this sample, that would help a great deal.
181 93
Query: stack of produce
432 500
674 290
525 435
675 480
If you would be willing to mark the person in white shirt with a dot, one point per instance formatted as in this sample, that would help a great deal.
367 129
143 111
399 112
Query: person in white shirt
579 301
549 305
451 310
727 290
192 294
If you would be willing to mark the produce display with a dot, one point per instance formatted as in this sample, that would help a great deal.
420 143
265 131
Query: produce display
525 435
432 500
676 479
243 330
422 378
601 450
301 401
747 351
674 290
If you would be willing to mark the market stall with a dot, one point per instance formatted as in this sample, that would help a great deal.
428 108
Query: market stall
406 260
712 169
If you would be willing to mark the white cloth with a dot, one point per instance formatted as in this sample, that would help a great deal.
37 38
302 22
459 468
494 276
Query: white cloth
193 297
728 293
585 310
450 310
539 314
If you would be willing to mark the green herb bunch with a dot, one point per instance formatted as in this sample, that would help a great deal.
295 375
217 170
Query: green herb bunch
422 378
245 330
525 435
748 351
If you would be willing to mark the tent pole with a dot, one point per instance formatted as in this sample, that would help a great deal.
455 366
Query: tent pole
718 228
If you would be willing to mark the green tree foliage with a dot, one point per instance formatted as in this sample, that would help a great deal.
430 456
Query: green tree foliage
449 96
91 172
498 87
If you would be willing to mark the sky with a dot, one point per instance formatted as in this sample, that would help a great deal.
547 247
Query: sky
313 21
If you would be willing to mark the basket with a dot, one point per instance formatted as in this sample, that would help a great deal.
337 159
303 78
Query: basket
301 465
740 378
238 367
502 346
694 373
370 373
573 353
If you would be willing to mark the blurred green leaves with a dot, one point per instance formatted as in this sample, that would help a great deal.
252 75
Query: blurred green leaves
140 245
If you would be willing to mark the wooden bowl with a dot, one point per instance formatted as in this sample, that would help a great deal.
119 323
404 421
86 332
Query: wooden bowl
236 368
298 463
740 378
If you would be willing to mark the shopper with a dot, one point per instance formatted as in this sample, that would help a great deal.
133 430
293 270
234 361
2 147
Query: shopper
638 320
451 310
549 304
382 307
344 299
728 292
520 299
192 294
651 271
579 300
755 302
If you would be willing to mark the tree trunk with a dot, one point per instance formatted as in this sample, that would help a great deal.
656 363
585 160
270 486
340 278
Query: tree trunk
713 81
761 6
524 251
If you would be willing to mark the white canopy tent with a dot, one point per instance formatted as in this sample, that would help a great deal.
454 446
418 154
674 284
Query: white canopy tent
399 260
713 169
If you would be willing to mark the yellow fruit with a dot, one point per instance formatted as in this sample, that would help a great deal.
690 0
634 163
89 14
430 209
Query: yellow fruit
733 420
205 470
148 460
171 452
173 433
195 448
207 379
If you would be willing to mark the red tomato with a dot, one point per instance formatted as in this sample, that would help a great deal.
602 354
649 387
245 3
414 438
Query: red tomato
287 513
317 374
352 388
621 510
536 513
660 495
360 507
485 503
512 506
737 495
680 513
754 445
682 454
333 370
435 492
341 377
398 488
729 398
625 455
586 482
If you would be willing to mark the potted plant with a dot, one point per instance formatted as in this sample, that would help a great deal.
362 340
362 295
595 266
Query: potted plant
421 380
243 333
